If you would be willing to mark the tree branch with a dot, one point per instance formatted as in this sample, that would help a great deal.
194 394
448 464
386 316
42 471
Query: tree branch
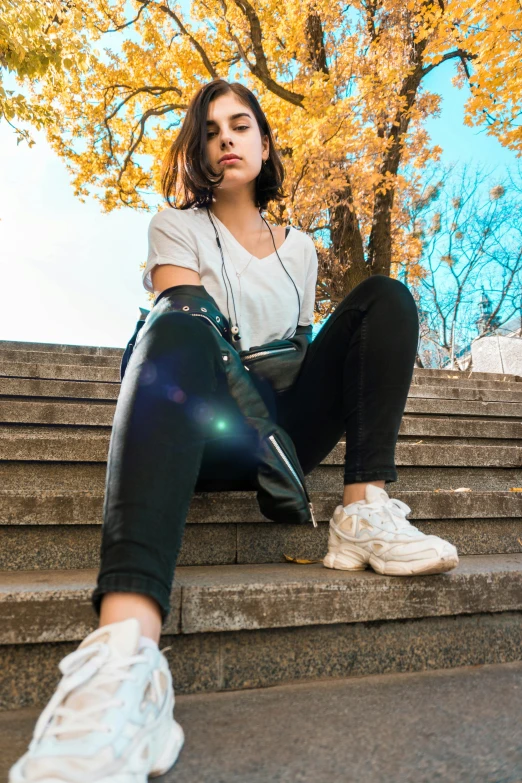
460 53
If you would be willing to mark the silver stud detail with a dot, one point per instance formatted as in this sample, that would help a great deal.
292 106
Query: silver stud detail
186 307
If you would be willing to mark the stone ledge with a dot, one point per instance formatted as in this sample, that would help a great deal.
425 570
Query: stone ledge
56 507
84 367
32 477
24 443
463 393
40 387
40 606
227 598
214 662
76 390
58 414
58 358
440 407
71 372
510 382
101 413
43 547
22 347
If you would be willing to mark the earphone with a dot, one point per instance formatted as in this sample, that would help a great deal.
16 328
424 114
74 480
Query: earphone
236 336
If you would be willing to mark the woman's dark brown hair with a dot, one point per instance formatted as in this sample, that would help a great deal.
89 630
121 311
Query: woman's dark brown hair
186 173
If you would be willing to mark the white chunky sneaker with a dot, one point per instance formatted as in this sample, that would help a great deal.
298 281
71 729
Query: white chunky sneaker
110 719
375 532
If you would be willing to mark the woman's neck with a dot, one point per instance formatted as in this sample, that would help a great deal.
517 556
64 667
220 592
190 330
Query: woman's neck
240 220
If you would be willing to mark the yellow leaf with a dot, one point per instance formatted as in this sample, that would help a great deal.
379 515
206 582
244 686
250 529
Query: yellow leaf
299 561
515 489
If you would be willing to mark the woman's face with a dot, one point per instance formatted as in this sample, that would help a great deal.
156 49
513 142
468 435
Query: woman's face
232 135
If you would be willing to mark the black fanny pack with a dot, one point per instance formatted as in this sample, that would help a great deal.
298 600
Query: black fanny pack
277 362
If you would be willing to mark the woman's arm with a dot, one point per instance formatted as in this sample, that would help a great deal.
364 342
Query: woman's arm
166 275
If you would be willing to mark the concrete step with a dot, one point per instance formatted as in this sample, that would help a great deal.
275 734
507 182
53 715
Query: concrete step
85 389
245 626
87 350
444 392
476 408
50 529
69 372
80 367
81 363
508 382
457 375
101 412
77 507
62 359
22 346
76 390
37 475
452 427
91 444
473 714
97 414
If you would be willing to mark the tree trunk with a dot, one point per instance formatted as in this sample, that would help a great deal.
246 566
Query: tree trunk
347 242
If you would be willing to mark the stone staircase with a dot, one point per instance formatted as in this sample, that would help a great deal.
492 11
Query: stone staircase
242 615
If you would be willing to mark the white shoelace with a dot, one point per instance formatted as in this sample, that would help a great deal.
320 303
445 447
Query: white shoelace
77 668
393 509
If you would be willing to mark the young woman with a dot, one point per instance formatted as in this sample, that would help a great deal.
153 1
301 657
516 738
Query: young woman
111 717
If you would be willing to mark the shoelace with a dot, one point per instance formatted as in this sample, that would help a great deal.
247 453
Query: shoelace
392 508
77 668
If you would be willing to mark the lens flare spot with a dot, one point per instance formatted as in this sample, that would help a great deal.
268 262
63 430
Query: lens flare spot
203 413
176 394
148 373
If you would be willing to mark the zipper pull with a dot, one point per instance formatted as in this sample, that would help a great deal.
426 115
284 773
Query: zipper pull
312 513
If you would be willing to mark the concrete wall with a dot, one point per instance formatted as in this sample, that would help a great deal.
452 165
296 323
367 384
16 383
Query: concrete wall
497 354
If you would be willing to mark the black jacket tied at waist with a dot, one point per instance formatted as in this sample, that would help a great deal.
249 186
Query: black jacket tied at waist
281 490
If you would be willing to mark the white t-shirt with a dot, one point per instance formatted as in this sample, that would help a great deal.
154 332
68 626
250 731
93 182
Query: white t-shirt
266 300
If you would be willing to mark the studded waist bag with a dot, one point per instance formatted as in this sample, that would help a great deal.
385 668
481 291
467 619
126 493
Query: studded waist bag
277 362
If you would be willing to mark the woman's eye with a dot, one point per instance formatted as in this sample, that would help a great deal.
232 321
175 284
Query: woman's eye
239 127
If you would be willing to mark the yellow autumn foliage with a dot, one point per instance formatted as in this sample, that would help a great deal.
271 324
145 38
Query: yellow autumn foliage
38 40
342 87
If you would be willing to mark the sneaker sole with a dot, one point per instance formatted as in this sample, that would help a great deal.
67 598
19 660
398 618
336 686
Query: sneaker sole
171 752
355 562
162 765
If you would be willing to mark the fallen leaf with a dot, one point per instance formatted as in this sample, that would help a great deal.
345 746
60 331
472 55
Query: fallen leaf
417 442
300 561
515 489
462 489
519 541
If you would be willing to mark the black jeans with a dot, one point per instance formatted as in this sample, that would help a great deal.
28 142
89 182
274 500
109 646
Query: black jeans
176 430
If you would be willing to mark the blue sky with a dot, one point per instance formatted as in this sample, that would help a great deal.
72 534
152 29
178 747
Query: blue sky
70 273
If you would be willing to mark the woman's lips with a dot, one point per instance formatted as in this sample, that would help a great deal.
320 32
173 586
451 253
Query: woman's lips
230 160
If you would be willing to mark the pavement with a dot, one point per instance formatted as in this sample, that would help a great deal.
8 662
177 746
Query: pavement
459 725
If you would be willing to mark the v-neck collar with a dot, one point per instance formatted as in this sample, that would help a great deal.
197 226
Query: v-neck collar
243 249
